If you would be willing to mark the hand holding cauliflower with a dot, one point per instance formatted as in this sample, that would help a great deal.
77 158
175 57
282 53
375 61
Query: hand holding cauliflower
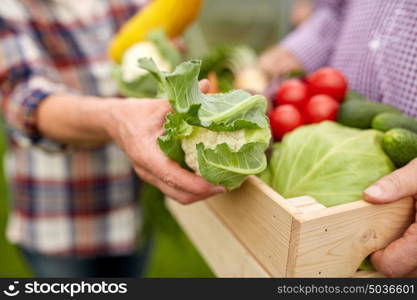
220 136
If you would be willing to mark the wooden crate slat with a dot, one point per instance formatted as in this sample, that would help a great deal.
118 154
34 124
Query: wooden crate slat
261 219
368 274
334 241
219 247
254 232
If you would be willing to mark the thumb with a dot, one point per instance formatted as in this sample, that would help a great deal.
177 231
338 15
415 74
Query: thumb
395 186
400 257
204 85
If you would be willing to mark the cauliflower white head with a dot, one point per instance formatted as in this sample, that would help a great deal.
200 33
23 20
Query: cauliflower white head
130 66
234 139
210 139
223 137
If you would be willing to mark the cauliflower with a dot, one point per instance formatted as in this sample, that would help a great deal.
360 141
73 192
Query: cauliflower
234 139
223 137
130 67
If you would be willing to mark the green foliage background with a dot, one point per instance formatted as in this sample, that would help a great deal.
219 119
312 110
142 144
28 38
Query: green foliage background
173 254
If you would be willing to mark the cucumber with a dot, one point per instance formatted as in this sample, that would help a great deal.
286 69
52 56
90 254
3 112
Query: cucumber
359 113
366 265
400 145
352 95
387 121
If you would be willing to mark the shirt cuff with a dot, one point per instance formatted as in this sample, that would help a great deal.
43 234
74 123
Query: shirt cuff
27 134
21 113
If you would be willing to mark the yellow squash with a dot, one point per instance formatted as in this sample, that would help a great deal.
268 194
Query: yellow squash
171 15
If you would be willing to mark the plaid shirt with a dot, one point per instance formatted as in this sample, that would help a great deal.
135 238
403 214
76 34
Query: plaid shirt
68 202
374 42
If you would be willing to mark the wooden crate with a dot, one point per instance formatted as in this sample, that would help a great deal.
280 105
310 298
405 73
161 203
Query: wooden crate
254 232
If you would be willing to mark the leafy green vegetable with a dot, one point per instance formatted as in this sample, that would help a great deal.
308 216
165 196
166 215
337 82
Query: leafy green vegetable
329 162
175 130
216 60
142 87
221 136
230 162
235 110
366 265
165 47
227 61
133 81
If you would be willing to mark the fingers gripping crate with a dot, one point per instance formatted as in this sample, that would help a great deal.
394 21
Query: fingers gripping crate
254 232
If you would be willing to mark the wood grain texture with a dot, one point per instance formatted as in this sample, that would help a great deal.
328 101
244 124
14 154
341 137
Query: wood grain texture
261 220
368 274
254 232
306 204
217 244
334 241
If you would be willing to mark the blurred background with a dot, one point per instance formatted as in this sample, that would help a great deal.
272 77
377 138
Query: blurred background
258 23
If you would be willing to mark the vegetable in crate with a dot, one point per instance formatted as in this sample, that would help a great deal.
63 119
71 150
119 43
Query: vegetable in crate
221 136
320 108
400 145
387 121
284 119
329 162
293 92
328 81
358 112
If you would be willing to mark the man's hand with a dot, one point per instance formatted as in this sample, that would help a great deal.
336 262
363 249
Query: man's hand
399 259
277 61
135 126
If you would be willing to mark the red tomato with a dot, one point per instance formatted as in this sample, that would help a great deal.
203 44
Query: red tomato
284 119
320 108
294 92
328 81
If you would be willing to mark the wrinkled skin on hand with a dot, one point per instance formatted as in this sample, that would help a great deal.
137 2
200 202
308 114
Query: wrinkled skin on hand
399 259
135 126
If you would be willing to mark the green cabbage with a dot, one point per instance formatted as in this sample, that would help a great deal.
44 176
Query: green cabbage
327 161
221 136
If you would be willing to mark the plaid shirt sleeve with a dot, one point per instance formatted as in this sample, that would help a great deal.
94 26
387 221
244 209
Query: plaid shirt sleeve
27 77
312 42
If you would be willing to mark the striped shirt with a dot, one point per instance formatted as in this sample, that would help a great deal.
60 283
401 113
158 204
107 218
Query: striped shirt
65 201
374 42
